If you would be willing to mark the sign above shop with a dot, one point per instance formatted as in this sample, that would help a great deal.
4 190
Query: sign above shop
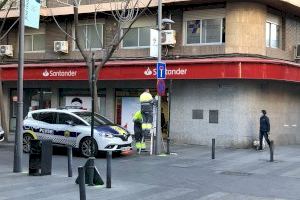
128 70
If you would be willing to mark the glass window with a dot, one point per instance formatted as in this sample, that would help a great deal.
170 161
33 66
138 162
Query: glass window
35 42
205 31
137 37
272 35
64 118
193 31
99 120
211 31
48 117
90 36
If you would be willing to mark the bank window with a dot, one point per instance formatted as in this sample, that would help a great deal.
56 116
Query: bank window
272 35
137 38
197 114
90 36
34 42
214 116
205 31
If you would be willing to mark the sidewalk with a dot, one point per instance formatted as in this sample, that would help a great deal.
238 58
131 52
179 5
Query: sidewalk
190 175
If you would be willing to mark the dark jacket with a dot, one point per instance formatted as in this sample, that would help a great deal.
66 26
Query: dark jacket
264 124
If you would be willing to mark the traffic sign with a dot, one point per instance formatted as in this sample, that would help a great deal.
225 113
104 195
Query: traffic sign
161 87
161 70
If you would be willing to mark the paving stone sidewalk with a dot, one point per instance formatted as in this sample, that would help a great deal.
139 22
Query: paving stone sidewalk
189 174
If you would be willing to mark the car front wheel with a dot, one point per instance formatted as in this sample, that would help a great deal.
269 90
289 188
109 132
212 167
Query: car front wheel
88 147
26 142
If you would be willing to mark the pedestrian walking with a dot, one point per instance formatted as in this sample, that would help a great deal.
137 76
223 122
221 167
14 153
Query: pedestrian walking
264 129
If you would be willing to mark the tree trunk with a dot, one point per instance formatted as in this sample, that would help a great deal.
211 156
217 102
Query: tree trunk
96 98
3 114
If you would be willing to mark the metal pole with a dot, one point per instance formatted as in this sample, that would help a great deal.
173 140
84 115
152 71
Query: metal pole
108 169
19 125
213 148
158 118
271 151
81 181
70 155
169 116
93 103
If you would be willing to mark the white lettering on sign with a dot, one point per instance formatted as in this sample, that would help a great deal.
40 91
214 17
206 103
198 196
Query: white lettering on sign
178 71
52 73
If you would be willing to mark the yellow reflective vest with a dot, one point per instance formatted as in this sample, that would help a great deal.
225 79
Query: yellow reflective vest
137 117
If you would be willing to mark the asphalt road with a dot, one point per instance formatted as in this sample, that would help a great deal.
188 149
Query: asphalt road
190 175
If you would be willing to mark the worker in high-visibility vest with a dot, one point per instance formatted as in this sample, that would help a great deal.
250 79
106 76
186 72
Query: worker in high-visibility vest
146 101
138 133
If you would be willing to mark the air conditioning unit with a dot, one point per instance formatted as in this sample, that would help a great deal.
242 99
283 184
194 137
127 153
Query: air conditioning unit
6 50
297 52
61 46
168 37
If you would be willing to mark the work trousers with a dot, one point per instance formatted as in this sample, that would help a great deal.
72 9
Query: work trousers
147 120
265 135
138 133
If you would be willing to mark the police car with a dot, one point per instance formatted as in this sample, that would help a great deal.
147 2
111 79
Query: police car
72 127
1 134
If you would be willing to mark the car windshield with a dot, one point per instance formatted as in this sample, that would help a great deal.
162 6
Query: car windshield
99 120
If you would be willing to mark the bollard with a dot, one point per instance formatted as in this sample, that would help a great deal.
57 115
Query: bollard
81 180
108 169
90 171
213 148
168 145
271 151
70 158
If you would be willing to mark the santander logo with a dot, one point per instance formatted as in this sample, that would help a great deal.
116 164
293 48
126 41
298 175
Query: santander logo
45 73
148 72
59 73
180 71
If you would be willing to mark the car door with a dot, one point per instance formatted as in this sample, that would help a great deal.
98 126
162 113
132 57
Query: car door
44 125
68 128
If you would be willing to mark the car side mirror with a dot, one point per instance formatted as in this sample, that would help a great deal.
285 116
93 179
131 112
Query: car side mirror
70 122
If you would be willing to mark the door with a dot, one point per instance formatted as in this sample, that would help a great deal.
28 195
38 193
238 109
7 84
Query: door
44 126
68 128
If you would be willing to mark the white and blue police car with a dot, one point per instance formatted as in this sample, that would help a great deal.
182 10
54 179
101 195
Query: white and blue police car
72 126
1 134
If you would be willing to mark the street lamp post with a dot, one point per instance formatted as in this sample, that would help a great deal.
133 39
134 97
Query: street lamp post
158 117
19 126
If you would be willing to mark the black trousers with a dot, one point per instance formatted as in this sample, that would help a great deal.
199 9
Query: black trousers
265 135
138 133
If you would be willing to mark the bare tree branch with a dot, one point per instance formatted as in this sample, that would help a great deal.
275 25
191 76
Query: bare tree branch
60 28
6 33
6 14
117 40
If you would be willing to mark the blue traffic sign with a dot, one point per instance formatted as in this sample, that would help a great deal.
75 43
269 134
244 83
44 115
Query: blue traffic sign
161 70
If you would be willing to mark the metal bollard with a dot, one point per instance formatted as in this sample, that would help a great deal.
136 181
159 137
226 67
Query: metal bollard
108 169
81 180
271 151
168 145
213 148
70 161
90 171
